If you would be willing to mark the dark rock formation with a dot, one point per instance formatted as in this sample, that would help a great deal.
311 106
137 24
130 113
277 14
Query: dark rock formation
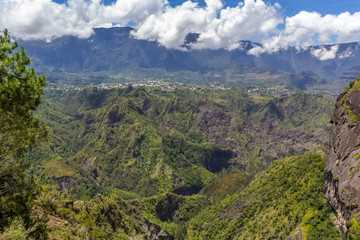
66 183
217 159
342 175
114 115
165 209
89 167
215 123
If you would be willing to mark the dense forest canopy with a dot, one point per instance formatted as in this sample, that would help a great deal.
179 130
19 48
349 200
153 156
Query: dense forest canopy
20 94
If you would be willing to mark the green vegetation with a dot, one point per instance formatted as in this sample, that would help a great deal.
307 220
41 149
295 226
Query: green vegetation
354 228
150 141
138 142
135 146
353 117
57 168
285 200
353 86
20 92
229 183
286 197
140 163
110 217
310 112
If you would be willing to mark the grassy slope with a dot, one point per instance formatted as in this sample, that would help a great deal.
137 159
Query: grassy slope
286 196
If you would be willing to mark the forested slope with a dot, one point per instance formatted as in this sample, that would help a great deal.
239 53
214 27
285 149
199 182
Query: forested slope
284 201
141 142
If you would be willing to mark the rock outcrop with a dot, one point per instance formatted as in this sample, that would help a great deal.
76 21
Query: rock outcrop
342 172
66 183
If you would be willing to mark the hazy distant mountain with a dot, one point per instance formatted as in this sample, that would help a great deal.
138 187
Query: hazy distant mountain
348 75
114 50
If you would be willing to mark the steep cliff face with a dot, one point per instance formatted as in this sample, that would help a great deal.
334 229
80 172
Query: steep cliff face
342 172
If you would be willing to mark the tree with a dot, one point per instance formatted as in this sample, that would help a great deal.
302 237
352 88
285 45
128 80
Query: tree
20 94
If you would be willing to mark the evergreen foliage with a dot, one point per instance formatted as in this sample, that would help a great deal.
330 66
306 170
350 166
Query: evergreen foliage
20 93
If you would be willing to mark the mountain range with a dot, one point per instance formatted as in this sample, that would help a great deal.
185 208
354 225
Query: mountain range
114 53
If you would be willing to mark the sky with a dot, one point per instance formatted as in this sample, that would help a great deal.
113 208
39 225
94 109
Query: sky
276 24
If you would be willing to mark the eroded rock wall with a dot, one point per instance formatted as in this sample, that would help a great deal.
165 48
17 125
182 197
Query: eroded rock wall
342 172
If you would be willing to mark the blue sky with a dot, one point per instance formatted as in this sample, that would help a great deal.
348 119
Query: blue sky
276 24
291 7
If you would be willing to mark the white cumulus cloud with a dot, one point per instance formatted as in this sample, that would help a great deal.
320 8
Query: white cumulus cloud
308 28
345 26
44 19
156 20
347 53
218 27
323 53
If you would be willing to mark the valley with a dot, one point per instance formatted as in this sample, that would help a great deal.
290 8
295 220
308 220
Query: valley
148 140
163 156
127 139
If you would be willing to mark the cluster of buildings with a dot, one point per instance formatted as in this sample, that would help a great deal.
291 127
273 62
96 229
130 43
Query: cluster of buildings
163 85
276 91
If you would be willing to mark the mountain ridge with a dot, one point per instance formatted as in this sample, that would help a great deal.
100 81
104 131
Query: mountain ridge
113 50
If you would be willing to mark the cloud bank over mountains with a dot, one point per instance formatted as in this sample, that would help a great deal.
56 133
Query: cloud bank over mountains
156 20
218 27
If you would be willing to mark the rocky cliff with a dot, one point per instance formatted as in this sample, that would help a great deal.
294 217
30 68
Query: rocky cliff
342 172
